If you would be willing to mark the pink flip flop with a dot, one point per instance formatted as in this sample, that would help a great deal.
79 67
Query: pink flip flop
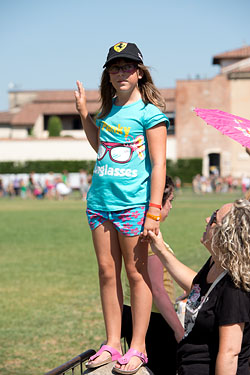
126 358
115 355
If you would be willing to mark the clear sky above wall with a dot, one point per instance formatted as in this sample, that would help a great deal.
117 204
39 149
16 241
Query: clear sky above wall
49 44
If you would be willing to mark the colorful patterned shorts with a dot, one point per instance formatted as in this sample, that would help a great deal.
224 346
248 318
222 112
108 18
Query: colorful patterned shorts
129 222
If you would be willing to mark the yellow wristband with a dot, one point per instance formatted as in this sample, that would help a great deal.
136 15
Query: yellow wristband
154 217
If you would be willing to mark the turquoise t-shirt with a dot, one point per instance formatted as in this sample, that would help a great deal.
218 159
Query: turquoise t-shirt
121 177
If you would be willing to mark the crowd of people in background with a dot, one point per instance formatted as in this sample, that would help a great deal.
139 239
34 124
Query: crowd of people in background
48 185
61 185
218 184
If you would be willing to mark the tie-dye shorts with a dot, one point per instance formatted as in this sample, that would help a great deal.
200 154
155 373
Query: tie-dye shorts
129 222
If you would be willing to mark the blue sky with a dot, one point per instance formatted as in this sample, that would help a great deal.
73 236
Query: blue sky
49 44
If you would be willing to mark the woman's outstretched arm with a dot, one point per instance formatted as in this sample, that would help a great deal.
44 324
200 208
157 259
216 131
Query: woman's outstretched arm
182 274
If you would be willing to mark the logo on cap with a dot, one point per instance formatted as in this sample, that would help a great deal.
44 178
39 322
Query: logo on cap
120 47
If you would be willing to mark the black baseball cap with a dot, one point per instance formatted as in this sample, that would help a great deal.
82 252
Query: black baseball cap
126 50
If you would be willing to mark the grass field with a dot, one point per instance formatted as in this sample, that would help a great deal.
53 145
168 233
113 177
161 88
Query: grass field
50 306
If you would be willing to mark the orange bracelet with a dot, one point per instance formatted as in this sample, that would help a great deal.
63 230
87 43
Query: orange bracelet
155 205
154 217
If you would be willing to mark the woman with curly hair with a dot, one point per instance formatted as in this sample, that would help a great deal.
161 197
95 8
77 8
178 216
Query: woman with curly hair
217 319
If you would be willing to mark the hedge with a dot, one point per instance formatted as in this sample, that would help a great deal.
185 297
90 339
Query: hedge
186 169
45 166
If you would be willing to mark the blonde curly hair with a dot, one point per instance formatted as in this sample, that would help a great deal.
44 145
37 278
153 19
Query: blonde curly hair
231 243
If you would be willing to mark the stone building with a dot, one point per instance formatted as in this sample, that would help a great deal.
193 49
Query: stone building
229 91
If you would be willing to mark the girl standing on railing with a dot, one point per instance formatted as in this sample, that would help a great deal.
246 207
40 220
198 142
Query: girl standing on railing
125 196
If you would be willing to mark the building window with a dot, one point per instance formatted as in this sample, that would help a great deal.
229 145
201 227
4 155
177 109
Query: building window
171 117
214 164
77 123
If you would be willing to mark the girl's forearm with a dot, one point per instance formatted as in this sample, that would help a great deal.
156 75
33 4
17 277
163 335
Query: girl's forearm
157 186
158 177
90 129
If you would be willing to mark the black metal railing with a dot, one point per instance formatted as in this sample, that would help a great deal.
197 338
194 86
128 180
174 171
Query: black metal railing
74 363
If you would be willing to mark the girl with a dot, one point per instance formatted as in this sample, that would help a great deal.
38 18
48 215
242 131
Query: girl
125 195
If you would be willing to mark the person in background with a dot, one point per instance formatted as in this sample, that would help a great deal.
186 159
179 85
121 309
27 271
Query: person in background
16 186
177 182
2 191
125 195
163 319
65 177
50 185
23 189
84 185
217 319
62 191
31 185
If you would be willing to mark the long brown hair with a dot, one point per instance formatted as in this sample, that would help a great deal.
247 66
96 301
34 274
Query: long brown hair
149 93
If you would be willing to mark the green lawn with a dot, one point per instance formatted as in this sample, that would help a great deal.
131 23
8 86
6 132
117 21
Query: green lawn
50 306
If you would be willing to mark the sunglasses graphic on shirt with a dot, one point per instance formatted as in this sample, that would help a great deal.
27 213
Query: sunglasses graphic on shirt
118 152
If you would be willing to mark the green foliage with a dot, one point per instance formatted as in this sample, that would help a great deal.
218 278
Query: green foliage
186 169
44 166
54 126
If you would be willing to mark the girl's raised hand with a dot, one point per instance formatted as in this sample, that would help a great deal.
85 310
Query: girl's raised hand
81 100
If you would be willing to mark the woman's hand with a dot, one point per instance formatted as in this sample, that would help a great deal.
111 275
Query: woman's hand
182 274
81 101
156 242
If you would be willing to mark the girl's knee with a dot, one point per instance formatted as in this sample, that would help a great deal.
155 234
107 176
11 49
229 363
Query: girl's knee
107 273
135 277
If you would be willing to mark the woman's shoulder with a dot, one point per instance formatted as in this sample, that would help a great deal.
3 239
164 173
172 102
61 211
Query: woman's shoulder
230 292
229 283
233 303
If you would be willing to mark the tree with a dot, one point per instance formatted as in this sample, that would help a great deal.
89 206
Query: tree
54 126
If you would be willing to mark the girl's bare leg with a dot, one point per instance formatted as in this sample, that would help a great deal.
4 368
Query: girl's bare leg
109 259
135 254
